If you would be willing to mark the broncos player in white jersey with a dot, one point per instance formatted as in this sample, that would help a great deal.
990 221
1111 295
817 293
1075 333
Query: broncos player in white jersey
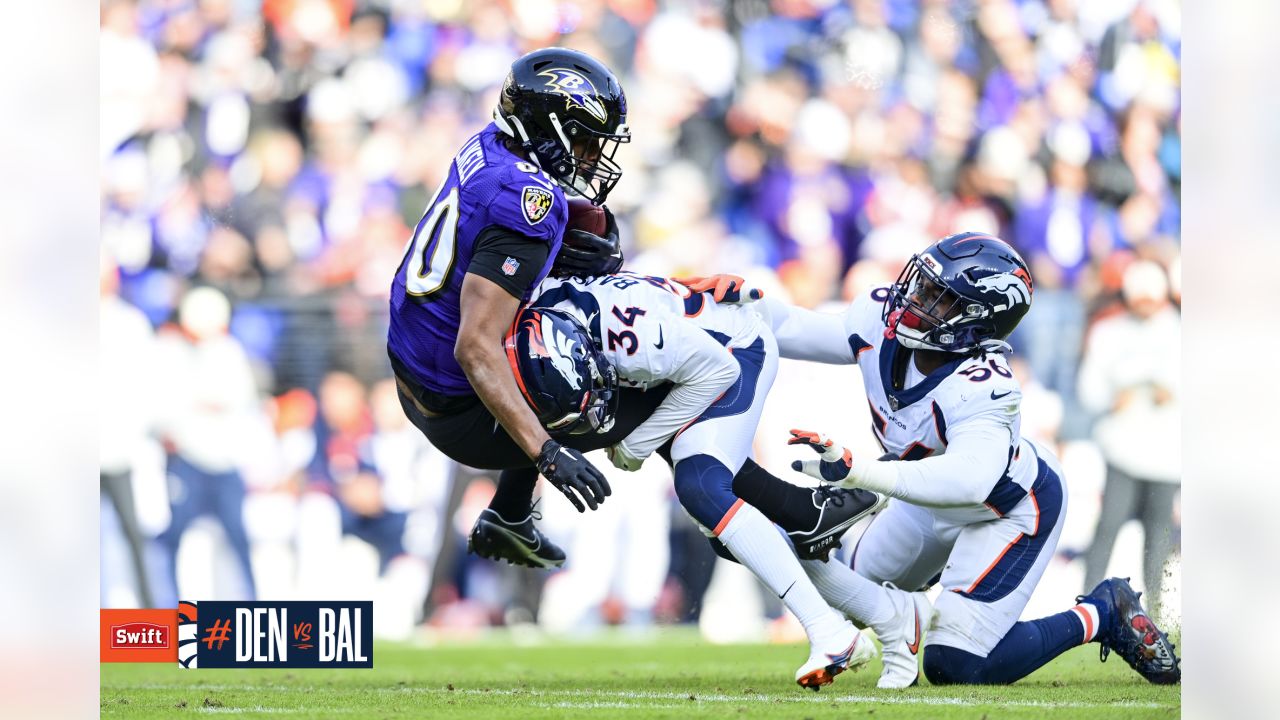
974 505
582 337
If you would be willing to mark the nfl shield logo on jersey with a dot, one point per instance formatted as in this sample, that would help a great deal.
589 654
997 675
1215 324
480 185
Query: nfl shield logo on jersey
536 203
510 266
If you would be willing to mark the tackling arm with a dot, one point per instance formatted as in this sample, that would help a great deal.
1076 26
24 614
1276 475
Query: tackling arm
976 457
487 310
807 334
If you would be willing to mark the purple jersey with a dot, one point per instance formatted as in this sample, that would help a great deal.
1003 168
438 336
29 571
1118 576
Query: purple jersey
488 185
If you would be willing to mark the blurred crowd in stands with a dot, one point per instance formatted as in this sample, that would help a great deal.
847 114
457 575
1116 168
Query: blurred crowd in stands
263 163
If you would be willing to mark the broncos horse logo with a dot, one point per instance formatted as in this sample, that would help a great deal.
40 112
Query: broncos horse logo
579 90
561 355
1015 286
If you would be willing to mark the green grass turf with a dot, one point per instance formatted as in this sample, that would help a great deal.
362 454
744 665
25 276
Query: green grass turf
674 676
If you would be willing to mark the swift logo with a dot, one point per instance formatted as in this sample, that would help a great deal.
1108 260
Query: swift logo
139 635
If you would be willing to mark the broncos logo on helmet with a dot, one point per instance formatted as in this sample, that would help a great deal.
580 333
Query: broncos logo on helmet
567 381
539 328
1015 286
579 90
562 355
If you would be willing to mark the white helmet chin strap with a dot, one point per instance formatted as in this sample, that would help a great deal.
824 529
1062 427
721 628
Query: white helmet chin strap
913 339
579 184
513 127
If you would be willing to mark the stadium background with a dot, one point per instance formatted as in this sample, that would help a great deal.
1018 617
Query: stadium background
274 156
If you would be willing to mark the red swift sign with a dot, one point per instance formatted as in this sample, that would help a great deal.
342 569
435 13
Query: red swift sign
140 635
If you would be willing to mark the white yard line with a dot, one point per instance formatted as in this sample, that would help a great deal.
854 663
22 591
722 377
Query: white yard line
268 710
602 697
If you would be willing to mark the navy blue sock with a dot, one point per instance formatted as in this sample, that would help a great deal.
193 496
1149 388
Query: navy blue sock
514 495
1026 647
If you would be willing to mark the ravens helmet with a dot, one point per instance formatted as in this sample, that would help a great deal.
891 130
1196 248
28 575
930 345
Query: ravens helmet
569 384
964 293
568 112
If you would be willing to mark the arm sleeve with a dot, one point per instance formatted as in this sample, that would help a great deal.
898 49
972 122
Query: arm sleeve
976 458
510 260
701 372
806 334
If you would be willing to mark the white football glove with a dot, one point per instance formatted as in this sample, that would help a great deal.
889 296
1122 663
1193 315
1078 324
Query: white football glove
622 458
834 463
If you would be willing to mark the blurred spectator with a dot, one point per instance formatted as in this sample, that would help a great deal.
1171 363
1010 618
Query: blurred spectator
344 469
1130 376
126 409
209 398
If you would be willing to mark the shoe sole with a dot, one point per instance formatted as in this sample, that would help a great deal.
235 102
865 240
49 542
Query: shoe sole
481 543
843 527
1172 676
816 679
820 677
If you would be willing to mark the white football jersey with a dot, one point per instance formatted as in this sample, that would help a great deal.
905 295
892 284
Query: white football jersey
654 330
976 397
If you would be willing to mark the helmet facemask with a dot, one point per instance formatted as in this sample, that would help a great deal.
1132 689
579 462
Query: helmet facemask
925 314
580 159
584 163
600 406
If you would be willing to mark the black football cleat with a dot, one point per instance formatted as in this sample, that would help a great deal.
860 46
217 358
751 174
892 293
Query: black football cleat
1132 634
520 543
838 510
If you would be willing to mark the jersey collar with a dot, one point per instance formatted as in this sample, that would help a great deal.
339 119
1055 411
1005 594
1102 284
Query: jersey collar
902 398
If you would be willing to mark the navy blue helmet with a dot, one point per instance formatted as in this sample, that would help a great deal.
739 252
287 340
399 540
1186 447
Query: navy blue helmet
964 293
569 384
567 110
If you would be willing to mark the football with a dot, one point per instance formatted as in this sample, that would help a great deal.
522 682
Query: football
585 216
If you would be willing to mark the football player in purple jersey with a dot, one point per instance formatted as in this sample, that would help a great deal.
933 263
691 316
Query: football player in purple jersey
494 229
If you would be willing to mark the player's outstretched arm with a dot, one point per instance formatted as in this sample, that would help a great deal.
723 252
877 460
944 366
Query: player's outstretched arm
805 334
487 311
963 475
802 334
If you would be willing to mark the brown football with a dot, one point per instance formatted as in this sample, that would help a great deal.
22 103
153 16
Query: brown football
585 216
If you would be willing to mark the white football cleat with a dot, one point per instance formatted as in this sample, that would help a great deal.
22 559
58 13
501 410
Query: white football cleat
900 637
846 650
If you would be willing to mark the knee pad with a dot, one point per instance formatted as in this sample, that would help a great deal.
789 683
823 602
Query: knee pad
704 487
945 665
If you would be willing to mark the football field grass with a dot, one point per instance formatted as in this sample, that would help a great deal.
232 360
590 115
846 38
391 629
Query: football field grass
674 676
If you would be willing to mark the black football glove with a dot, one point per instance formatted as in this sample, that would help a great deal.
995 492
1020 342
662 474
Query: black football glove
586 254
570 472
